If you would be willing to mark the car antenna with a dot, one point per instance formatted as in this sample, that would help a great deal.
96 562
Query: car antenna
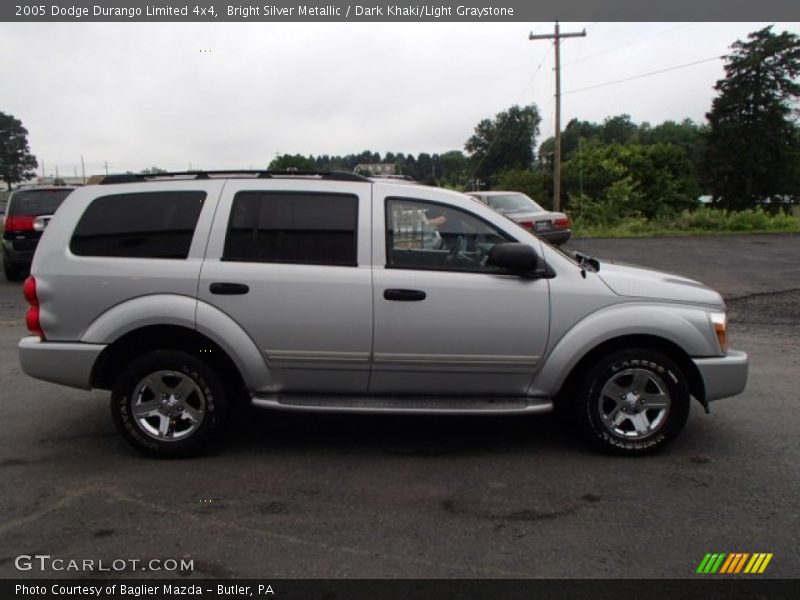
580 209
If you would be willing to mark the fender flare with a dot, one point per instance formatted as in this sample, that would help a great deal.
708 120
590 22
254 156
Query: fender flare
667 322
140 312
187 312
239 346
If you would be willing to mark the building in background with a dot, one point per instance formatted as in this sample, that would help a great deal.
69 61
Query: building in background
376 169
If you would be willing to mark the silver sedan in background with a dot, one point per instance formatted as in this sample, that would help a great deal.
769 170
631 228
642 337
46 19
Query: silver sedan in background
555 227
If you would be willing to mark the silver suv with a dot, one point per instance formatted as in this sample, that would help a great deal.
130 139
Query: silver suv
184 294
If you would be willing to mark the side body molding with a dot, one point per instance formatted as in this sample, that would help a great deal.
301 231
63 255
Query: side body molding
686 327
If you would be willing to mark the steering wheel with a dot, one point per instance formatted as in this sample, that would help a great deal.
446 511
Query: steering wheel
458 252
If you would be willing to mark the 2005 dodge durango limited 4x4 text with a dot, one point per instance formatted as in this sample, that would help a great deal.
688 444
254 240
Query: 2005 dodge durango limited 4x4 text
186 293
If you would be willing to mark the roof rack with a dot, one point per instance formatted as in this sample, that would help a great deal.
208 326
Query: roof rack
139 177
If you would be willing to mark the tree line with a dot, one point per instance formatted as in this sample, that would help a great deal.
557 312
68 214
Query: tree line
447 169
746 155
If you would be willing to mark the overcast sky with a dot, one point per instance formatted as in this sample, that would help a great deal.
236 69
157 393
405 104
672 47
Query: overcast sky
233 95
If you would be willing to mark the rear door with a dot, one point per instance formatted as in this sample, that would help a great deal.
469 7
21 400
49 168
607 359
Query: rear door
289 261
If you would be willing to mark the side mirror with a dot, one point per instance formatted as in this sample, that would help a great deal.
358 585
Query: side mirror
519 259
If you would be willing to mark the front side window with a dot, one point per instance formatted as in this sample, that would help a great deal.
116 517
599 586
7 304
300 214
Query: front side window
427 235
139 225
291 227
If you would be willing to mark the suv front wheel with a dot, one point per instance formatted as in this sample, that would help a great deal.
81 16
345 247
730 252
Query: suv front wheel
633 402
168 403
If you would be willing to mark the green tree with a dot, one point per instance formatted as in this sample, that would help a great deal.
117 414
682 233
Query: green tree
16 161
453 168
619 130
687 135
575 131
424 169
291 162
505 142
753 142
632 180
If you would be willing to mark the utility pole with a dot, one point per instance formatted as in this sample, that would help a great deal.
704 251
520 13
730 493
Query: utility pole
556 37
83 170
106 162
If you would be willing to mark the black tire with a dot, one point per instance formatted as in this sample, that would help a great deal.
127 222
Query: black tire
11 272
664 383
135 390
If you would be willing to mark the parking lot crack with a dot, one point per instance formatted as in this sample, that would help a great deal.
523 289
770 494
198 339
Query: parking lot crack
206 520
67 499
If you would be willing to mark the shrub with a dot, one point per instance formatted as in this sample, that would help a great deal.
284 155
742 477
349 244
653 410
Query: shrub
596 220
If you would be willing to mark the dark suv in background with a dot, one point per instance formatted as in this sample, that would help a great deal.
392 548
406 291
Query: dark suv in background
28 211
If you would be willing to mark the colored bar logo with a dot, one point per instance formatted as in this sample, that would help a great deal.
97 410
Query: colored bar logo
734 563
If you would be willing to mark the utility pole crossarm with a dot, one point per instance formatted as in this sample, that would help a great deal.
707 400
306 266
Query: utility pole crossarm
556 36
551 36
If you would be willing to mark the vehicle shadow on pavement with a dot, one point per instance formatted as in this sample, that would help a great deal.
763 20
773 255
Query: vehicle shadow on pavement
411 435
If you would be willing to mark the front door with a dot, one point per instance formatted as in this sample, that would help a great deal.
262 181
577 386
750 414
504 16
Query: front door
445 322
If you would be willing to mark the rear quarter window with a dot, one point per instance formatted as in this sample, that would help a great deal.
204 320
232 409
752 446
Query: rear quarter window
139 225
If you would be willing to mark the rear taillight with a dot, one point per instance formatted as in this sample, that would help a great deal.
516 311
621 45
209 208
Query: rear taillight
24 223
32 321
29 291
526 224
32 316
562 223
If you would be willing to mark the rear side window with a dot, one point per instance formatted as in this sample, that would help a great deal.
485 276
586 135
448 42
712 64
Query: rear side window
36 202
288 227
141 225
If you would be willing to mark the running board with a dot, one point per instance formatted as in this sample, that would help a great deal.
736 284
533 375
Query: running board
414 405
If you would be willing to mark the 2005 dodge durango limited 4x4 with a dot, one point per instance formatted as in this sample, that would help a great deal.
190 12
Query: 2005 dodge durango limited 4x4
183 294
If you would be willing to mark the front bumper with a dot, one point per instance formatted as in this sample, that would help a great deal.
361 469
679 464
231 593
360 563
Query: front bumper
59 362
723 376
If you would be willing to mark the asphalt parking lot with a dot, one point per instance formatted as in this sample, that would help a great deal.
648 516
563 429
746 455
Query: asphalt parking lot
324 496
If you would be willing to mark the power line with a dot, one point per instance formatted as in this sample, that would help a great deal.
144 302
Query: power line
675 68
508 117
536 72
633 43
709 17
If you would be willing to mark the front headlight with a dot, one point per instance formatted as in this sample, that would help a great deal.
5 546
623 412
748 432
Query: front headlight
720 323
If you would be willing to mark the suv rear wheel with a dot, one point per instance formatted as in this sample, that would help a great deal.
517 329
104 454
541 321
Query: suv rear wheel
168 403
633 402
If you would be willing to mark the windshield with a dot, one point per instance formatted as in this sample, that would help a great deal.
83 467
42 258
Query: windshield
511 203
37 202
